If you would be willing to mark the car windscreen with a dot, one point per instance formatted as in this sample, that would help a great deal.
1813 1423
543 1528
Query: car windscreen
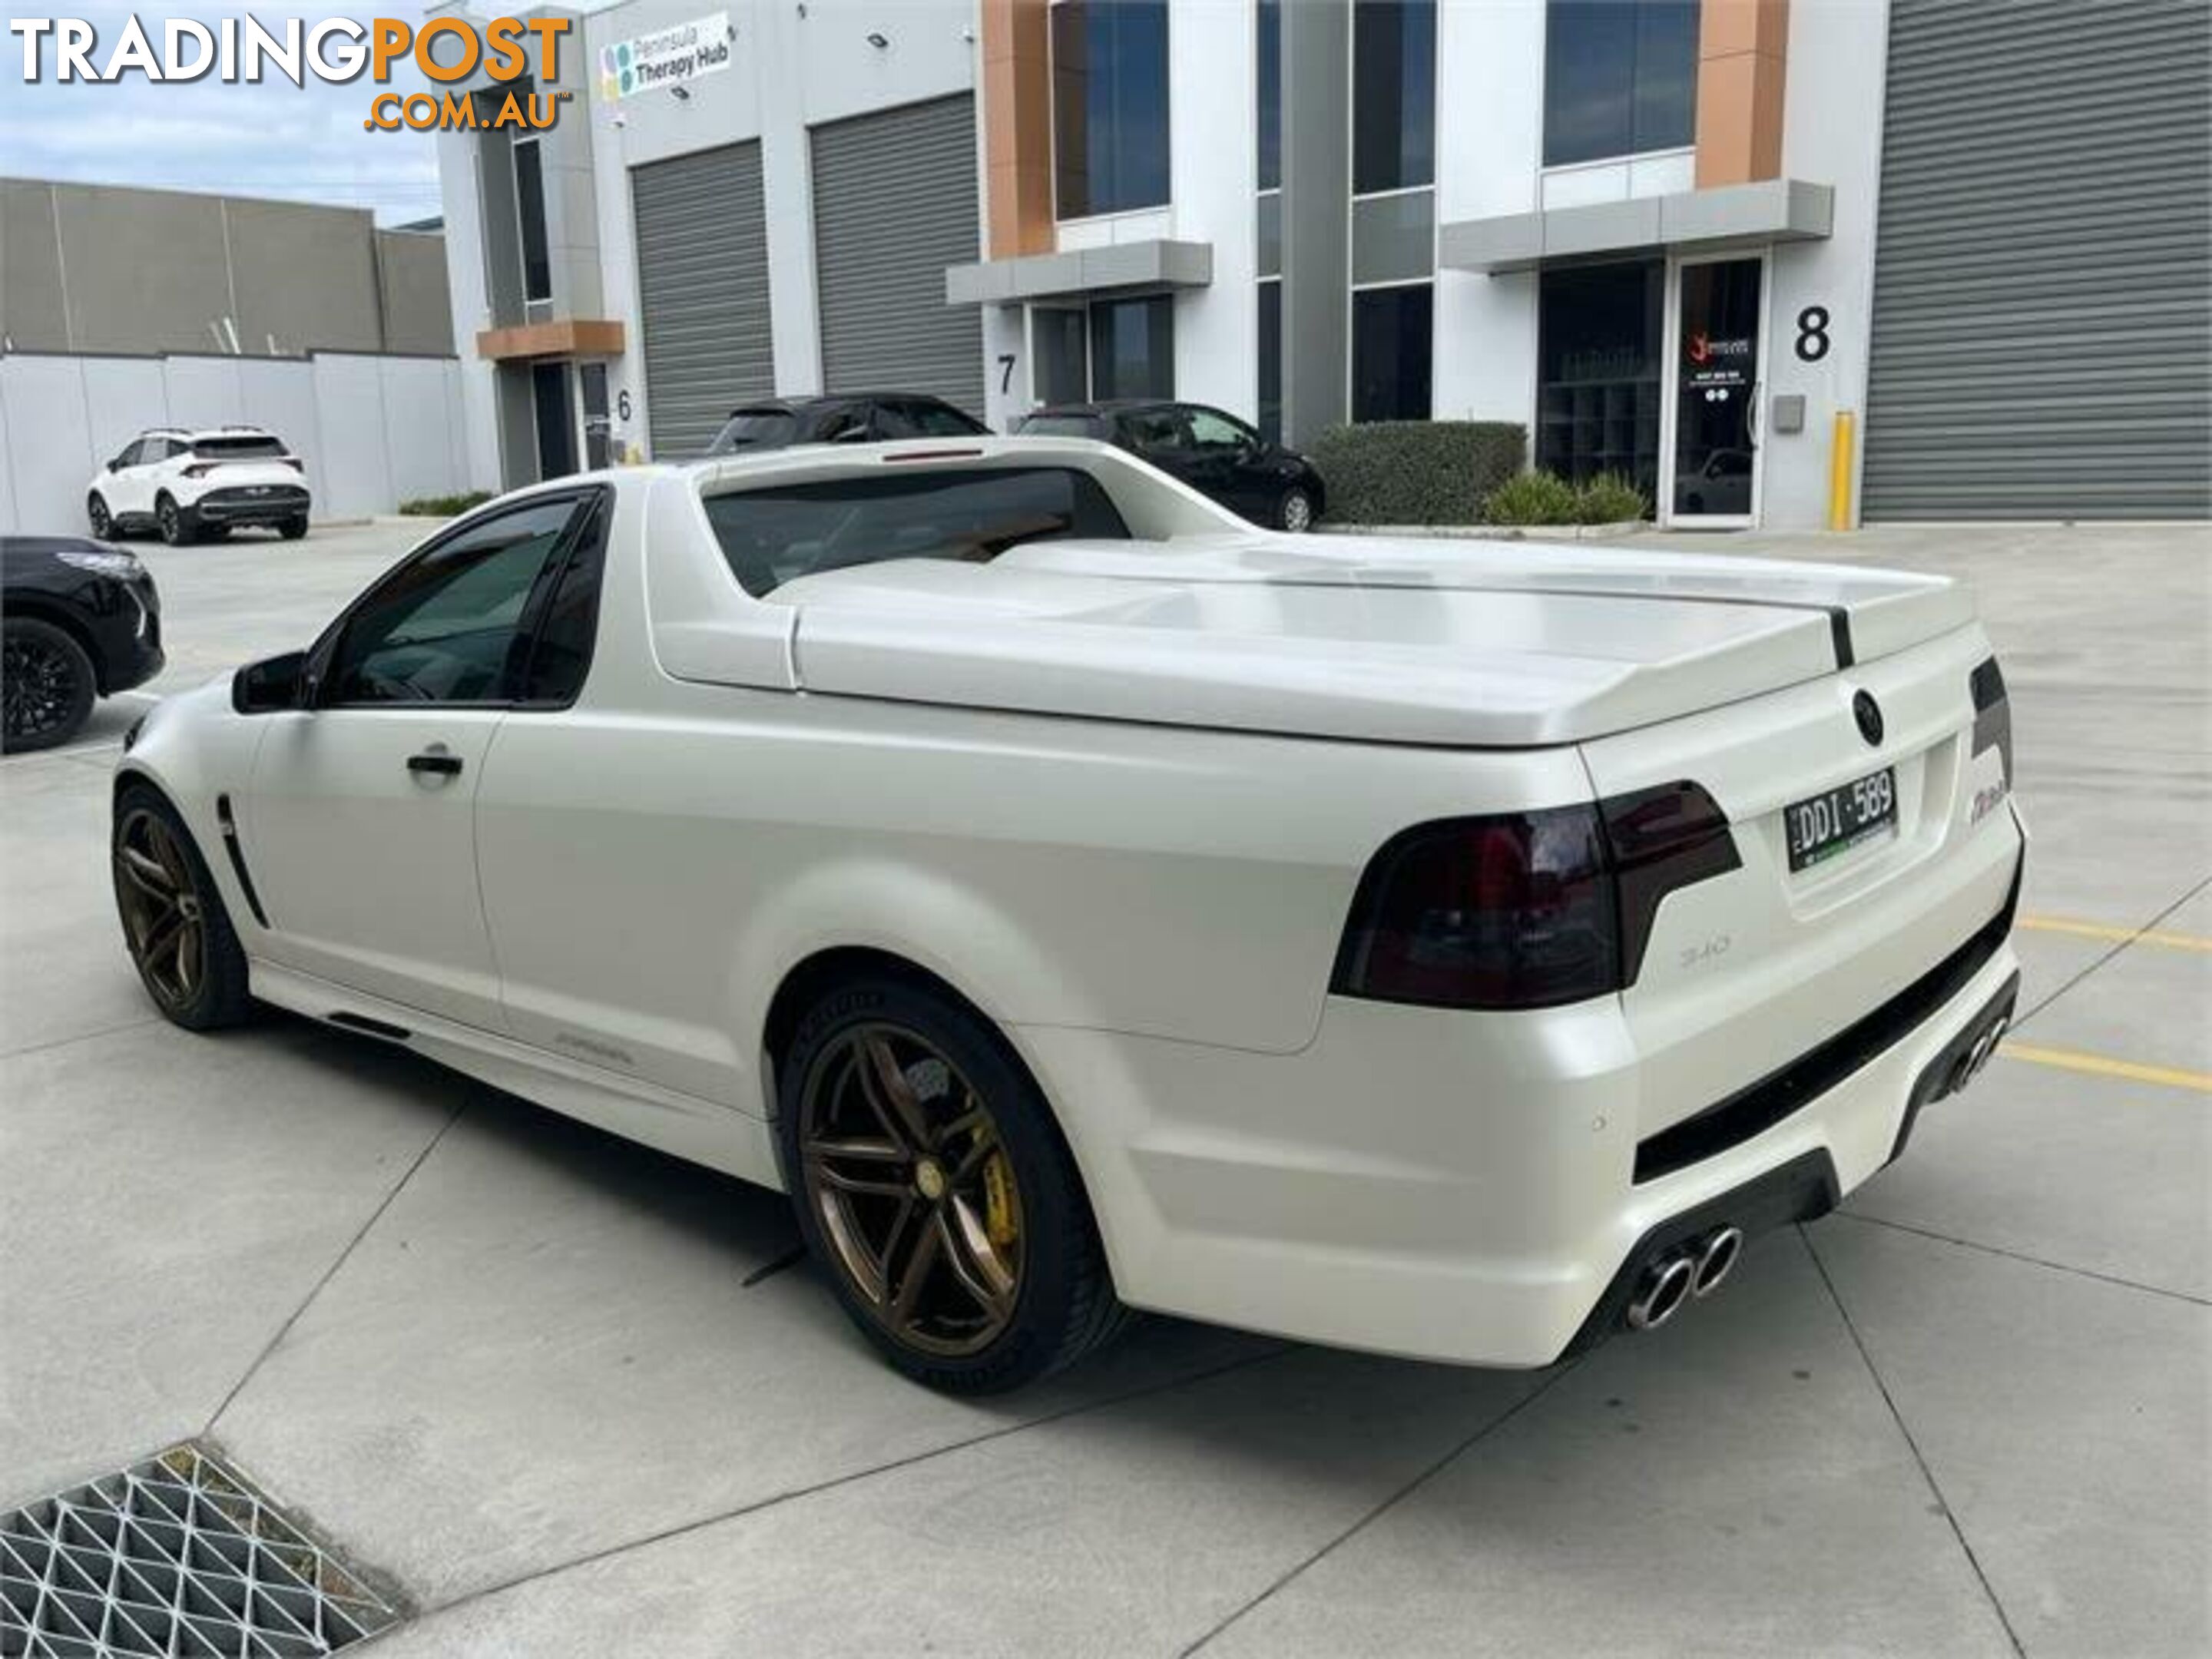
1059 426
754 429
240 449
776 534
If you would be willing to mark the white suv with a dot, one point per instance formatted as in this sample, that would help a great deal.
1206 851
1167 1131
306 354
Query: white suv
187 484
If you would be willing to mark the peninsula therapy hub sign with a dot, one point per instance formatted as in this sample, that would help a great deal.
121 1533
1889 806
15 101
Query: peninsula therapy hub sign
666 58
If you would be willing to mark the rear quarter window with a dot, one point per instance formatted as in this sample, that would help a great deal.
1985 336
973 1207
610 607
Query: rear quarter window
775 535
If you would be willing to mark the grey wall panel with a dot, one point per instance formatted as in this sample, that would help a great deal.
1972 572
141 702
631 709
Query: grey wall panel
203 390
894 205
31 314
123 396
2042 334
50 454
146 270
701 243
413 293
1316 183
421 437
349 402
305 277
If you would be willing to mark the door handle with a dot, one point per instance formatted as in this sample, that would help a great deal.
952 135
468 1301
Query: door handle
435 762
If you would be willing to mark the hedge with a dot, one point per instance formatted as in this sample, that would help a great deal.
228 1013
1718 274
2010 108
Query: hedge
1408 472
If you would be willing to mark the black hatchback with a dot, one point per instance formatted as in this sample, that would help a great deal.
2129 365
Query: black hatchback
78 620
847 418
1214 453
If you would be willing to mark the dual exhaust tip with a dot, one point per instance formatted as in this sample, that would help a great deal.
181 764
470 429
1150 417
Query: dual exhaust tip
1694 1270
1983 1049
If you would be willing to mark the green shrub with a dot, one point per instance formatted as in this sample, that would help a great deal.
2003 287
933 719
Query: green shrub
1415 472
444 507
1533 498
1609 498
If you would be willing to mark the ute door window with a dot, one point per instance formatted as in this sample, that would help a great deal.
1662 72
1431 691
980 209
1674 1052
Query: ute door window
447 626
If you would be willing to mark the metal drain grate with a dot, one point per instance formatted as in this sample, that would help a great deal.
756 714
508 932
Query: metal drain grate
174 1557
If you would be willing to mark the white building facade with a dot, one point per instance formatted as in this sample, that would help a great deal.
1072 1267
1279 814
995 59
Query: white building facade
1768 258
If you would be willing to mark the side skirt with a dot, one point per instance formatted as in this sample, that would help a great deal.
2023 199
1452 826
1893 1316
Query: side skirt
700 1131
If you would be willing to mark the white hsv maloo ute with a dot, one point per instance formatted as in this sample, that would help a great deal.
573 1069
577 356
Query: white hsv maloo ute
1079 899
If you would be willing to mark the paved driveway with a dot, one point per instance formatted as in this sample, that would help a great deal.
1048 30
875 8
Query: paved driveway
570 1396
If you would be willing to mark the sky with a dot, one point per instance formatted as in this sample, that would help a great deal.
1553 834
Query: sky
304 143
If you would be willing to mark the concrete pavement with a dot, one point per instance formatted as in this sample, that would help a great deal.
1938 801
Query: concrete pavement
571 1397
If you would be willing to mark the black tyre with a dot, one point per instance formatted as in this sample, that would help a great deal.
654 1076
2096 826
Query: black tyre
101 520
46 685
177 526
174 925
1295 512
931 1183
293 528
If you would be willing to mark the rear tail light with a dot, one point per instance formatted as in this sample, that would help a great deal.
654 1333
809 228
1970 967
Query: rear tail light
295 463
1526 909
1992 713
1514 911
199 469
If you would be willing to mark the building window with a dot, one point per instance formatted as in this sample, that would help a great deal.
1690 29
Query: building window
1110 106
1133 348
1598 333
1271 361
1391 330
1620 76
1269 42
529 208
1394 94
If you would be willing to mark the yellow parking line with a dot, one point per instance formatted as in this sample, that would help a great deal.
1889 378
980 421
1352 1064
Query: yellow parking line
2073 1059
2118 935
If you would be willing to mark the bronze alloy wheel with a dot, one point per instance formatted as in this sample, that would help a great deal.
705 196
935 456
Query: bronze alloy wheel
164 913
902 1165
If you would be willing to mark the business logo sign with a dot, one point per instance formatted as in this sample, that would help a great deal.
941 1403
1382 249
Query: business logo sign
244 51
666 58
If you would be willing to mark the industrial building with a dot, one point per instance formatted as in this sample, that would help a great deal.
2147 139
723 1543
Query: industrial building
1772 259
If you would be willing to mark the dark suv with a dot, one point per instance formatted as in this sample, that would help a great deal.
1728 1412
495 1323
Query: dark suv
1214 453
853 417
82 621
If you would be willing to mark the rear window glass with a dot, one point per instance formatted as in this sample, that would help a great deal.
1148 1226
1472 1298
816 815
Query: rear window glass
778 534
240 449
1061 426
754 428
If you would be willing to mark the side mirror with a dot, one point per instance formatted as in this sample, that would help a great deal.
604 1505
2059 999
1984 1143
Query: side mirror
272 684
114 462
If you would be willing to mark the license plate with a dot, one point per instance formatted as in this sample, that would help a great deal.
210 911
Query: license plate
1834 822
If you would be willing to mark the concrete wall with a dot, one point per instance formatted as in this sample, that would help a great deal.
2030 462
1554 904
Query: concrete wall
418 312
374 430
99 268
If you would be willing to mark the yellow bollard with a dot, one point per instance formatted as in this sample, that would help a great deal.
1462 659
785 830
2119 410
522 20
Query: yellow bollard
1839 471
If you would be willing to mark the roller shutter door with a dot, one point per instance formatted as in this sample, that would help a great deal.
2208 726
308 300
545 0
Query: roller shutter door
702 293
894 205
2042 334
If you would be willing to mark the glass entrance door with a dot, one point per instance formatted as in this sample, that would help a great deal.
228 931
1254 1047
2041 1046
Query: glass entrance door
1713 469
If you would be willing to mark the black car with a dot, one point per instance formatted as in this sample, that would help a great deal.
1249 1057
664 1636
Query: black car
852 417
1214 453
78 620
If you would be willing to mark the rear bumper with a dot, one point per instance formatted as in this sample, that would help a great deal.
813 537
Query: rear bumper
252 505
1465 1186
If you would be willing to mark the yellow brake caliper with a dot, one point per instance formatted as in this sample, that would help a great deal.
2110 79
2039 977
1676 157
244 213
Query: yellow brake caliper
999 1214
